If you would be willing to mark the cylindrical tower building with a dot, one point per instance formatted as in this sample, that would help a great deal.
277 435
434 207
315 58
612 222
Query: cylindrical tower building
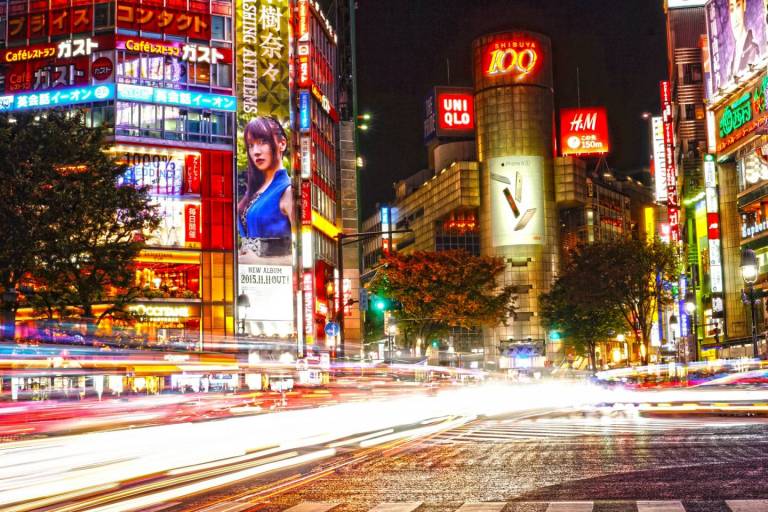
518 221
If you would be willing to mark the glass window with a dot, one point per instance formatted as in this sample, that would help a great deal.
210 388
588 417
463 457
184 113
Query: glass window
173 124
220 28
200 73
102 16
223 75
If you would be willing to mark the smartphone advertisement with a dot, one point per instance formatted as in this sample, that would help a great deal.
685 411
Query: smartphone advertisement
517 200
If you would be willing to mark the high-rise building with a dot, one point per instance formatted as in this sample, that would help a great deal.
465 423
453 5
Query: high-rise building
160 76
192 91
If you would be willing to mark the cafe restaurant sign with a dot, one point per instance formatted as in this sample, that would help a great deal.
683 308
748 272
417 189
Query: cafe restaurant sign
742 116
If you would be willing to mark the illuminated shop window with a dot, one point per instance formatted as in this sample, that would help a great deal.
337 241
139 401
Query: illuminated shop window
173 123
167 280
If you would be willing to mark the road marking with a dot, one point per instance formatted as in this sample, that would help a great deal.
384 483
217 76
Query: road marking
227 507
309 506
660 506
397 507
747 505
570 506
492 506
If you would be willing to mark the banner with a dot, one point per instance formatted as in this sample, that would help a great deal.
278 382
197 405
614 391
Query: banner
266 231
517 200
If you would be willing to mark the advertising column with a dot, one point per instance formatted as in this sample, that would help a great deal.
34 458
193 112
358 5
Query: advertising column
514 111
264 184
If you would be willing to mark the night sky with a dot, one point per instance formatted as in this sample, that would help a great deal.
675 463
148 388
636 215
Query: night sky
618 45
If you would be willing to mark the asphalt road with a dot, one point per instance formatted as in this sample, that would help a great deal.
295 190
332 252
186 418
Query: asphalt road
613 461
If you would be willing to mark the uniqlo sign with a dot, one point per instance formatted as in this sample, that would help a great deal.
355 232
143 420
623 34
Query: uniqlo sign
454 110
584 131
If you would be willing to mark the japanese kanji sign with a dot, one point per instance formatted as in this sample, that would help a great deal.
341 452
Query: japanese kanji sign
57 98
163 20
143 93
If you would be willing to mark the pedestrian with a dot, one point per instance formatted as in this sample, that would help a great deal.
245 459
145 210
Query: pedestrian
265 212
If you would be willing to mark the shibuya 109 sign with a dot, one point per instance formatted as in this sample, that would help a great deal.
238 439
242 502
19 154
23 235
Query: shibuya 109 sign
584 131
512 58
516 57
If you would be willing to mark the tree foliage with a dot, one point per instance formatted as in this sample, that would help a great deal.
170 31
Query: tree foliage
440 290
580 310
621 277
74 231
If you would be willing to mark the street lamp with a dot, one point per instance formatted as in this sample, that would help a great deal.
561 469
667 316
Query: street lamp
243 303
690 308
749 273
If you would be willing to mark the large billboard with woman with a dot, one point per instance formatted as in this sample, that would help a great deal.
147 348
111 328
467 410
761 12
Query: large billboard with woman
737 38
265 219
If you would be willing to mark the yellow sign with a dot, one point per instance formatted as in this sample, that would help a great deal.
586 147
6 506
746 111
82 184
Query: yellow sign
160 313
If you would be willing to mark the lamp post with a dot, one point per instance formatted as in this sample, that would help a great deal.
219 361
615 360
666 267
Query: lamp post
672 323
392 331
749 272
690 308
243 303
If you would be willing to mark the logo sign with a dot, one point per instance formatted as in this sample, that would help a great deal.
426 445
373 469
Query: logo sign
133 15
584 131
101 69
183 51
516 57
58 98
659 159
455 111
204 100
742 116
304 113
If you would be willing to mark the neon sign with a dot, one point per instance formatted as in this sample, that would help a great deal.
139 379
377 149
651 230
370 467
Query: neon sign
512 57
62 97
456 111
584 131
143 93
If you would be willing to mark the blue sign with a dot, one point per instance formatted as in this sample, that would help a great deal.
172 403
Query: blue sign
332 329
193 99
304 114
57 97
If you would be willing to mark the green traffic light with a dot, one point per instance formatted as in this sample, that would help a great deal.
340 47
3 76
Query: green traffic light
380 305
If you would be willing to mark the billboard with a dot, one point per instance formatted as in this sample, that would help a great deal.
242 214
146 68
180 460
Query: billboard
517 200
737 38
659 159
584 131
449 112
265 212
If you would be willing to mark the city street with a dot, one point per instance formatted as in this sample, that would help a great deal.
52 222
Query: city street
439 452
613 461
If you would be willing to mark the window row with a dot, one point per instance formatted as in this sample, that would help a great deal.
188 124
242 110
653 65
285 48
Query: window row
323 204
173 123
171 72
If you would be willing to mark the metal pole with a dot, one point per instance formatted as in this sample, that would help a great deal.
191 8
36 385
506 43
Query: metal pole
754 326
340 293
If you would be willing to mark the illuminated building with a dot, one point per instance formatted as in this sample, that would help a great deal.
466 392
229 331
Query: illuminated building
732 192
162 76
180 95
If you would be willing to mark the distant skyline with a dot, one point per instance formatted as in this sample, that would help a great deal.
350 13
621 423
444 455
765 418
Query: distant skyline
407 46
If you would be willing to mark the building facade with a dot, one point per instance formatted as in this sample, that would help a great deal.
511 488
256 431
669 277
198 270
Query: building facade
182 85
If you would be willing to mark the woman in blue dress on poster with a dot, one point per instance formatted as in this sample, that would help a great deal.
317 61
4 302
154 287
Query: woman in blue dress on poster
265 213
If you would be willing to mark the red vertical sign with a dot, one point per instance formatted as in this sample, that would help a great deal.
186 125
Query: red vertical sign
192 222
673 201
192 171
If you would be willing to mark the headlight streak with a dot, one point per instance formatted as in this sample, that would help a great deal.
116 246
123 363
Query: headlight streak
57 469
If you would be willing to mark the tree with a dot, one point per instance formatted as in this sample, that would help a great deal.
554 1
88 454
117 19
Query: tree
635 273
87 229
437 291
580 311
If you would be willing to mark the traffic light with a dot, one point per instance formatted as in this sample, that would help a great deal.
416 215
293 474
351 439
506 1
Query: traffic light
382 304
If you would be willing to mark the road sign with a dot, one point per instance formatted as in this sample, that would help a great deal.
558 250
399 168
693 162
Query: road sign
331 329
363 299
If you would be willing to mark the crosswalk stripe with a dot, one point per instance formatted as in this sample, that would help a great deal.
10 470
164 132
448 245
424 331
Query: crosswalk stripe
747 505
397 507
310 506
570 506
491 506
660 506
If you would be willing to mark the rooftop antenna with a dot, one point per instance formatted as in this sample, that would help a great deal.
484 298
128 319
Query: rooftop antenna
578 88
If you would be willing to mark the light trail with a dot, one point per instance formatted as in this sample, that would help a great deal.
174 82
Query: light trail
131 469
